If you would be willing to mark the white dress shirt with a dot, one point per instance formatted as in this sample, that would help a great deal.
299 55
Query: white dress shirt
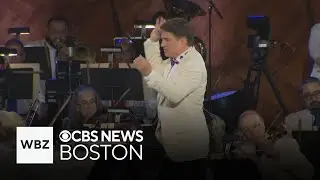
301 121
314 49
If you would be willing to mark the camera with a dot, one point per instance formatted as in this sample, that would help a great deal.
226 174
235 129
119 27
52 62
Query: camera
261 26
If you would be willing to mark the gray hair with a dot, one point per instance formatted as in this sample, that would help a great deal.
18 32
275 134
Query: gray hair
74 115
309 80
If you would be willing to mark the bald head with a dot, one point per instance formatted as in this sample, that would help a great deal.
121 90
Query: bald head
251 124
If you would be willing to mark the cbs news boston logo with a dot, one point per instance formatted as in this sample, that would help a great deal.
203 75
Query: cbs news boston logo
35 144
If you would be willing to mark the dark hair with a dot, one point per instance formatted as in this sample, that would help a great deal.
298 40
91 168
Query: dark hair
179 27
157 15
73 114
58 18
14 41
308 81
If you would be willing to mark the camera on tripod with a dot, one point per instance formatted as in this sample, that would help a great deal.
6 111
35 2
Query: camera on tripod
261 25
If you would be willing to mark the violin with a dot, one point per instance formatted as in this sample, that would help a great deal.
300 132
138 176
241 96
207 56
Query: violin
277 133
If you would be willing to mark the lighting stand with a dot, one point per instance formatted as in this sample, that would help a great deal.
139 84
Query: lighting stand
252 87
211 6
70 54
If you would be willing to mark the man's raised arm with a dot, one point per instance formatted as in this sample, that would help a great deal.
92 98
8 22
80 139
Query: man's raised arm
152 52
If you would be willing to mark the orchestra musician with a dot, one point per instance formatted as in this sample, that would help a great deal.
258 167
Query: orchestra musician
304 124
17 45
9 169
181 83
57 31
281 157
84 105
54 42
8 123
22 105
303 120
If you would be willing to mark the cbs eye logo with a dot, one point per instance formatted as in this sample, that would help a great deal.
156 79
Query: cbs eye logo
65 136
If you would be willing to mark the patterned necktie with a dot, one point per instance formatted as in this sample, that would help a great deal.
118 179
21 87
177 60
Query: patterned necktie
174 61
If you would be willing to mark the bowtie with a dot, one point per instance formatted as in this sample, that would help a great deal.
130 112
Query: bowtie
174 61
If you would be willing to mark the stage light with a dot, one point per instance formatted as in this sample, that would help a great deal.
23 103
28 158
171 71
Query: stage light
17 31
7 52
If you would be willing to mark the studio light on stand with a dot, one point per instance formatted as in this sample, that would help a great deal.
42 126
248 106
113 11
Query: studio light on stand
259 44
17 31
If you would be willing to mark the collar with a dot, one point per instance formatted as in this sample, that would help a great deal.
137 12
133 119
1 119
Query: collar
49 45
181 56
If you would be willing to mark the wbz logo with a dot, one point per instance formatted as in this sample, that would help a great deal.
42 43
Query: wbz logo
34 145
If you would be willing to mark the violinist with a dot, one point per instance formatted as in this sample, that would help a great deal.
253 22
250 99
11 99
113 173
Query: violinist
84 105
304 120
281 158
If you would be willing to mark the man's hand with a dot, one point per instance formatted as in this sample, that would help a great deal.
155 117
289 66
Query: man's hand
143 65
156 32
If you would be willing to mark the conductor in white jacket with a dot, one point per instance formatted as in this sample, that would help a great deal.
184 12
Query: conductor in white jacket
180 82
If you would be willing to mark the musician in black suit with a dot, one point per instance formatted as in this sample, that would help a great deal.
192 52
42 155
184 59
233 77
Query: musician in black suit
17 45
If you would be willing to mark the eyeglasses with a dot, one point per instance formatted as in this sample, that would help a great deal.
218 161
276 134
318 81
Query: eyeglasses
87 103
311 95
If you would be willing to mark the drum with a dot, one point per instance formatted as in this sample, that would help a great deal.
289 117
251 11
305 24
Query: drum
229 106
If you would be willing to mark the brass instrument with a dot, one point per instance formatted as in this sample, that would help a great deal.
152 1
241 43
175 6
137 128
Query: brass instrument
32 112
82 53
200 47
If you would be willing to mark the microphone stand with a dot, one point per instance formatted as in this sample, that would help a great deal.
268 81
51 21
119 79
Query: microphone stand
211 5
70 54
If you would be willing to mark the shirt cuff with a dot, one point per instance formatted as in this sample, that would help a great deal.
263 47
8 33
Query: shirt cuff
147 78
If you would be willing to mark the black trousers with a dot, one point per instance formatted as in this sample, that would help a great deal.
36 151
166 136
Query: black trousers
193 170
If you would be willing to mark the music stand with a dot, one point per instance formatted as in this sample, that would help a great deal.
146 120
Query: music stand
111 84
42 56
30 70
24 84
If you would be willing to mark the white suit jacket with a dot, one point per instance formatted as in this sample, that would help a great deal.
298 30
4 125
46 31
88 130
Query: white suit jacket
182 127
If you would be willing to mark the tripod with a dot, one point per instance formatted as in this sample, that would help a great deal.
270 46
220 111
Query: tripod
252 87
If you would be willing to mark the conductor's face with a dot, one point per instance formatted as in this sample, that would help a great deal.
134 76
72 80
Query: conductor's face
87 103
172 46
